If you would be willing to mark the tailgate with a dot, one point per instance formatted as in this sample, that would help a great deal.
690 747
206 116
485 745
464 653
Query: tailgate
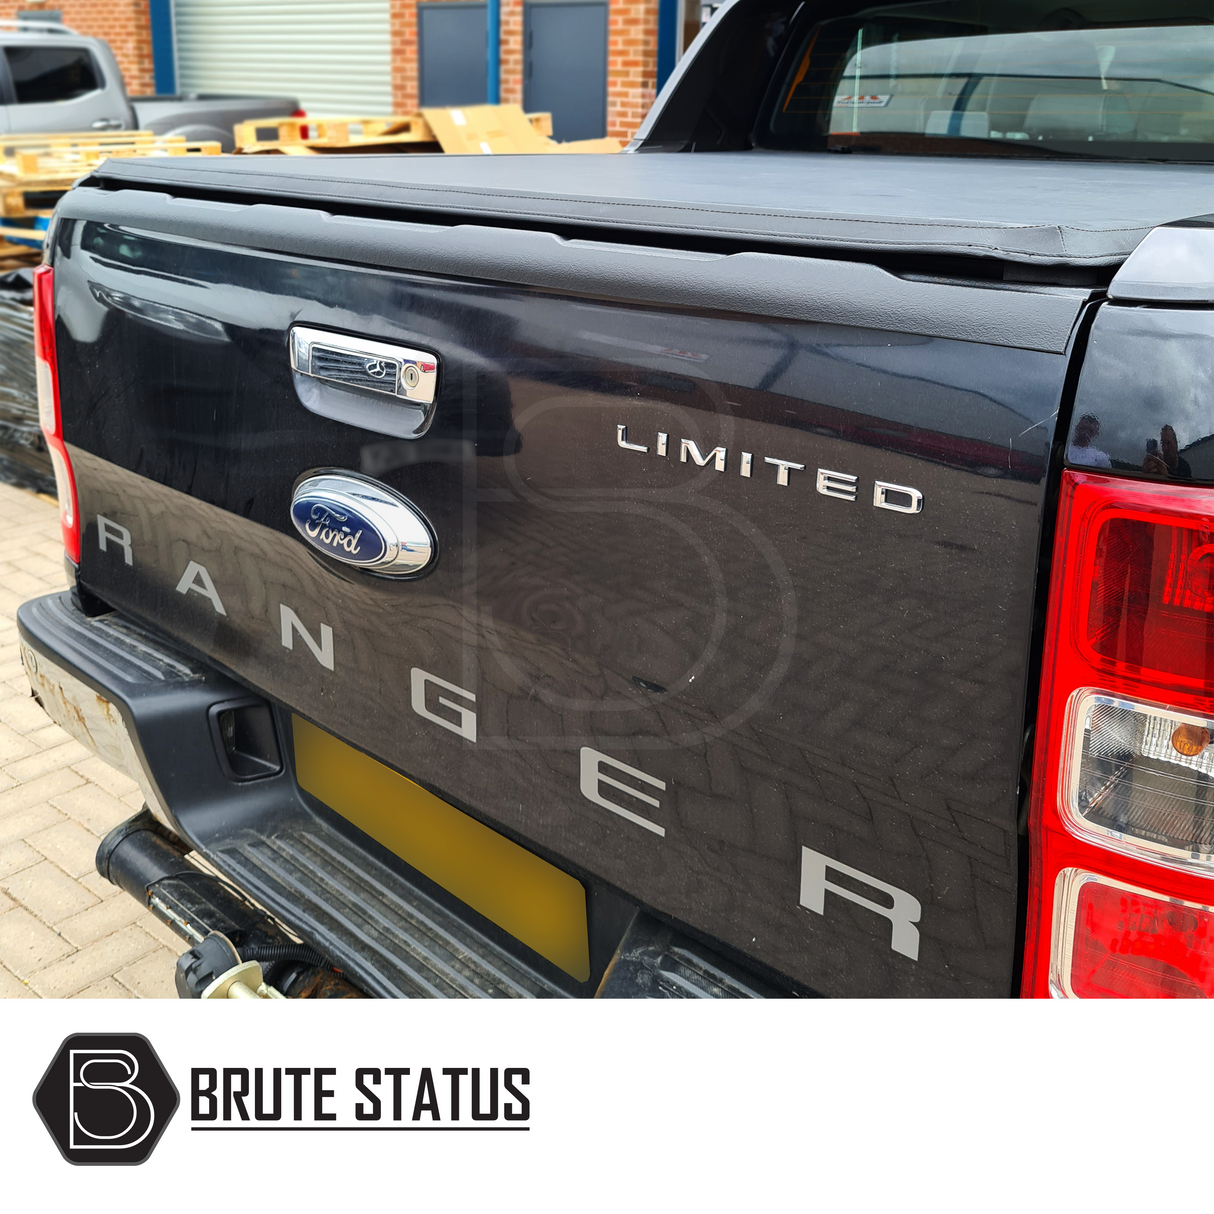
735 563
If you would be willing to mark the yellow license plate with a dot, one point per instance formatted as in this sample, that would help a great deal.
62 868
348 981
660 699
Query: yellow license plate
526 896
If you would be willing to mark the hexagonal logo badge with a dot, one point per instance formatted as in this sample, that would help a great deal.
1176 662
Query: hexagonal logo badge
106 1098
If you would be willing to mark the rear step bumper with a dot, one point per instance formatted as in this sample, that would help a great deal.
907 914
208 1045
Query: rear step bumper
151 711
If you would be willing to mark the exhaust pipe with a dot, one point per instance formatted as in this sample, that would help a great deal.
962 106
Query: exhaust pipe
149 862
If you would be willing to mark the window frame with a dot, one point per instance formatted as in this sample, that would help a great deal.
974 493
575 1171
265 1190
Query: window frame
6 75
762 135
8 94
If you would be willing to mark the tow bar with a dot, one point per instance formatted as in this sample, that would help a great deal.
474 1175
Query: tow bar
237 951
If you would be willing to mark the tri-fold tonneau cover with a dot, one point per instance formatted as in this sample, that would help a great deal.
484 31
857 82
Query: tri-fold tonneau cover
1081 213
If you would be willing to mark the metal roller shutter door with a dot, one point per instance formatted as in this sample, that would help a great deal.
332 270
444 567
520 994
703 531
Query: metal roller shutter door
334 55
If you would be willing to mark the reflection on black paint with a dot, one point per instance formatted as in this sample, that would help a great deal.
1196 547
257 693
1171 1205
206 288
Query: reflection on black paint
1147 390
798 670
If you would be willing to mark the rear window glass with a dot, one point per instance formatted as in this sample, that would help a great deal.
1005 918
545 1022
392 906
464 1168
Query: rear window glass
1114 79
51 73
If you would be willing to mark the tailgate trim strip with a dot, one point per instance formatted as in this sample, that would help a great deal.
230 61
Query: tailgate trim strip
815 289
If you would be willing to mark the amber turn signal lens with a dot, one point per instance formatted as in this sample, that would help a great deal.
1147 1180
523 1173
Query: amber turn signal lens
1190 740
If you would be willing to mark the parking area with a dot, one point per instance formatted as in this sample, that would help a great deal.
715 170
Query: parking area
64 931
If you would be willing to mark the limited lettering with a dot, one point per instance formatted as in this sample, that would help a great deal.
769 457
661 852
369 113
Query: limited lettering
836 484
844 486
783 466
717 455
621 438
900 498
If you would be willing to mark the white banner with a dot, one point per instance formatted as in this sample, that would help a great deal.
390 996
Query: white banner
631 1105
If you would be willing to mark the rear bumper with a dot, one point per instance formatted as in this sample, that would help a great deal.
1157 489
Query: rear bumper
151 711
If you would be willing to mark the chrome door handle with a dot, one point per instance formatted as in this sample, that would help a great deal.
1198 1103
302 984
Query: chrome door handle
370 366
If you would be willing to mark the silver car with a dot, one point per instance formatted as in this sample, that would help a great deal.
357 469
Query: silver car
54 79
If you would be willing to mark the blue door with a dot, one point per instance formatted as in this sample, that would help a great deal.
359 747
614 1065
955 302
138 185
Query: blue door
565 65
452 53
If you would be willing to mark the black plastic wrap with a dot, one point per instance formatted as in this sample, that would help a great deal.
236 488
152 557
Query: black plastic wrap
23 456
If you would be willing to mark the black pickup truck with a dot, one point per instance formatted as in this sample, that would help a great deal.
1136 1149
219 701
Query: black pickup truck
776 561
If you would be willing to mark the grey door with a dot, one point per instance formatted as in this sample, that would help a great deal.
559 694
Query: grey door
451 53
565 66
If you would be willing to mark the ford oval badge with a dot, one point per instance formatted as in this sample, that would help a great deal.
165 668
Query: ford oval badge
360 522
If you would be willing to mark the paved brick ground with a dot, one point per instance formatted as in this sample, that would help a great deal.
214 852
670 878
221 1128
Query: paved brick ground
64 932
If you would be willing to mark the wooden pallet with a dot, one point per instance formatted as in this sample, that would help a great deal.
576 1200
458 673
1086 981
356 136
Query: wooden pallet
10 234
37 169
14 256
475 130
79 139
305 136
25 153
19 243
96 147
37 197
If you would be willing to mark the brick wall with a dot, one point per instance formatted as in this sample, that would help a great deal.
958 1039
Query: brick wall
632 58
124 24
512 52
632 64
632 42
403 32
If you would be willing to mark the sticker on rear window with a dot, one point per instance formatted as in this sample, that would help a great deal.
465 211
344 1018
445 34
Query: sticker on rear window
863 99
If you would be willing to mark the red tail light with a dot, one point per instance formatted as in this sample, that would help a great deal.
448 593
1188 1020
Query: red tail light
1121 882
1118 942
49 416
